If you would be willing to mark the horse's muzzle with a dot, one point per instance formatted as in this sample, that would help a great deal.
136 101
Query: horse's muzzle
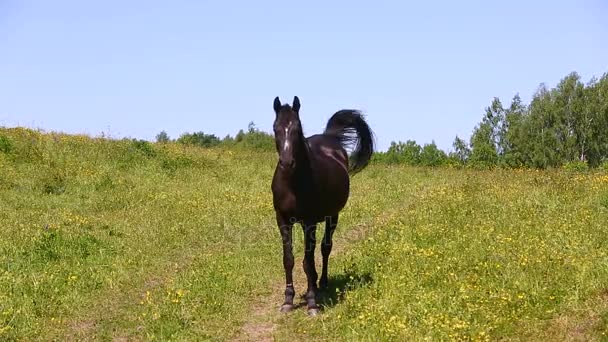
287 163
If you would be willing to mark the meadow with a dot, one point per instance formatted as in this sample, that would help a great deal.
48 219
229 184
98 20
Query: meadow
108 239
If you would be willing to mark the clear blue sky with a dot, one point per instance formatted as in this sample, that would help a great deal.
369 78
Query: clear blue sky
420 70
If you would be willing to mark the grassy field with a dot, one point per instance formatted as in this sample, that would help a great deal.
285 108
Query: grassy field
127 240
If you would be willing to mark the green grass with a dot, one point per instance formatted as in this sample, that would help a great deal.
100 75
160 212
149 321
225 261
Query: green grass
481 255
106 239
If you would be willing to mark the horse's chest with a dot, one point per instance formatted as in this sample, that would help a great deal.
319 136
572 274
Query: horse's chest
309 200
285 202
293 203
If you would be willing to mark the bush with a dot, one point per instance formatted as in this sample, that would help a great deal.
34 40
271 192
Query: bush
199 139
400 153
172 164
23 144
385 158
254 139
5 144
53 181
431 155
144 147
576 166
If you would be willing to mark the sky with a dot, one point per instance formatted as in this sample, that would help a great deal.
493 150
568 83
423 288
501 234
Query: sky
421 70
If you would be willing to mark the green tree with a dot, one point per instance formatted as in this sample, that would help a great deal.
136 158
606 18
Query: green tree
228 140
571 122
162 137
431 155
495 118
545 146
598 149
461 152
483 149
514 136
565 124
199 139
404 152
255 138
595 142
239 136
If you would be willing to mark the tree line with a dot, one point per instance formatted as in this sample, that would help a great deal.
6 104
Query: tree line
562 126
253 138
566 125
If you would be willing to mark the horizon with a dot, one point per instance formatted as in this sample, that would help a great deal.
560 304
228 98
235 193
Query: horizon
422 72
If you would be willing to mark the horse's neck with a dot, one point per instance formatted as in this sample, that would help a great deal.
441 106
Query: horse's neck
303 170
303 154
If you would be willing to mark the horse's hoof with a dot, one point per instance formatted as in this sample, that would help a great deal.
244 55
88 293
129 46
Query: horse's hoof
312 312
286 307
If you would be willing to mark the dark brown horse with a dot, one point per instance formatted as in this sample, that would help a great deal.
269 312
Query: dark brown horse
311 185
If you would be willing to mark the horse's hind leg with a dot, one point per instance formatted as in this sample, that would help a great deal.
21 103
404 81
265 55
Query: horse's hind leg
310 230
326 244
285 227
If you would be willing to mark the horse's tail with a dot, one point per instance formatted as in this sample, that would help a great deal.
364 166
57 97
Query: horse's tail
349 127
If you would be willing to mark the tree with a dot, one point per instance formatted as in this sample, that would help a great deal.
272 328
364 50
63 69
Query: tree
598 113
431 155
488 142
494 119
251 127
228 140
514 138
544 146
571 122
400 152
162 137
461 152
199 139
239 136
483 149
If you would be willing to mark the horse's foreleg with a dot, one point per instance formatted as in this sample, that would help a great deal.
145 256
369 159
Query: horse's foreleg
310 230
285 226
326 245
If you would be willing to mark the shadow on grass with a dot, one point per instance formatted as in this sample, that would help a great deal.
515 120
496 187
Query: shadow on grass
337 288
341 284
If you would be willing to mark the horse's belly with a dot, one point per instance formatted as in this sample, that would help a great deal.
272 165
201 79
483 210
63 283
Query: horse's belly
329 201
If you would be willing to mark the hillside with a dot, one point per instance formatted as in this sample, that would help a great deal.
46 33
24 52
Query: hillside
127 239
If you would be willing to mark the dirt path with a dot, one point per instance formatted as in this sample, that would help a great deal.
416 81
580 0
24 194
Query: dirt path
264 313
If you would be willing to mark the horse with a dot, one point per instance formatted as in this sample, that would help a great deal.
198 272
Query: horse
311 185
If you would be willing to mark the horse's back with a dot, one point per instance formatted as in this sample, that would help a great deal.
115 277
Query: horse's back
328 153
329 162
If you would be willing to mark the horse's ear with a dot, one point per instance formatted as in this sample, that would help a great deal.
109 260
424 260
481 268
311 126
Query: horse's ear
277 104
296 104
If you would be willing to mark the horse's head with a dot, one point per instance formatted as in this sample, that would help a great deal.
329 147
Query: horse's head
287 132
